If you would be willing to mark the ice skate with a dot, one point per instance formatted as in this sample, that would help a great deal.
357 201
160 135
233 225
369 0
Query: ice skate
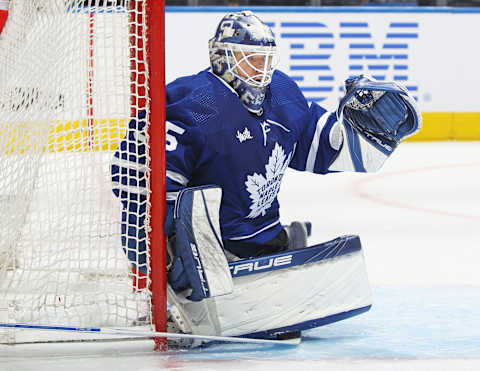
176 324
297 233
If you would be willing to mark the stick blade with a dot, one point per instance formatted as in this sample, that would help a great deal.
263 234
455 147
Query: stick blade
292 342
293 338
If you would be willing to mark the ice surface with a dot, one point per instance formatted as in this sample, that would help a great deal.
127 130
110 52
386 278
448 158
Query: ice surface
418 221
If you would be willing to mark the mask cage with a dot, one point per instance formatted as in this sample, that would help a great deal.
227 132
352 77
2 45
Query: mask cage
239 57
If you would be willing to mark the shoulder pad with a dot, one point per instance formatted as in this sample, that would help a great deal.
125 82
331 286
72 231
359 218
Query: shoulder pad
284 90
195 100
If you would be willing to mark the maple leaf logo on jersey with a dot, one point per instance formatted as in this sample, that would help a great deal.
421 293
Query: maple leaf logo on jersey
264 189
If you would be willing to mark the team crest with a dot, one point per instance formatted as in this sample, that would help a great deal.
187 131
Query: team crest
264 189
242 137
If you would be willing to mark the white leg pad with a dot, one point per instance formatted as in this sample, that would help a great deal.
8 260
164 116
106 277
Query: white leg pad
282 298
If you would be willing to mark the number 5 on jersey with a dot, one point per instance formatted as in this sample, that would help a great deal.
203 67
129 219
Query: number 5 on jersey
170 139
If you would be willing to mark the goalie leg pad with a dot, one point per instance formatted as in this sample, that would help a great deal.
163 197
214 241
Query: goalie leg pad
267 299
199 265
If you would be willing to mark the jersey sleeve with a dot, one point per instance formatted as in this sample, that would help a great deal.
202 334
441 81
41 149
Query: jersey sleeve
319 142
129 161
129 184
184 145
183 151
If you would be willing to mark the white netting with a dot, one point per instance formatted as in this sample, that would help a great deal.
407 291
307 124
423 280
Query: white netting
65 104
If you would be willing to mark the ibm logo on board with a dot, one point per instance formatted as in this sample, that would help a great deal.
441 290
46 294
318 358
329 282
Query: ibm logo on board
311 46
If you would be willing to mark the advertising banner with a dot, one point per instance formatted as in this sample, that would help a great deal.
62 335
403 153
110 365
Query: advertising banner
431 51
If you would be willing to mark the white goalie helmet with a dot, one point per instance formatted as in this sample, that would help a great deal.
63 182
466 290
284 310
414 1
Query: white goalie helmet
243 52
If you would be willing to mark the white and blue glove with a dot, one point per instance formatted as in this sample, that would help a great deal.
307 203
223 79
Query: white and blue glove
383 113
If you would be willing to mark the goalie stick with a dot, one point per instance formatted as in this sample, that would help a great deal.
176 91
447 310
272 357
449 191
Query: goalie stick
120 331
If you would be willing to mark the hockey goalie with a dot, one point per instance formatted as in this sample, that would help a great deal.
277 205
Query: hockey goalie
232 130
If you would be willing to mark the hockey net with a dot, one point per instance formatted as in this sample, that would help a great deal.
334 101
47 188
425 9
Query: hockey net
73 73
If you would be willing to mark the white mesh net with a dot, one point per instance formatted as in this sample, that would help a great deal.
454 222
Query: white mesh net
68 89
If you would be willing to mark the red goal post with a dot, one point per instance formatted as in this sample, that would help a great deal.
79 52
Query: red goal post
73 75
151 58
157 94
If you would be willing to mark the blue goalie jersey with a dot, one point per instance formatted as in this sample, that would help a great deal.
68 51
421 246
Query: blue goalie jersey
213 139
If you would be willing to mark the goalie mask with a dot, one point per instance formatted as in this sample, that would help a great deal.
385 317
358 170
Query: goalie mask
244 54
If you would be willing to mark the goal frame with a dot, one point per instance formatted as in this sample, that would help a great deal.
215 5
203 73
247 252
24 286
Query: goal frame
157 95
148 62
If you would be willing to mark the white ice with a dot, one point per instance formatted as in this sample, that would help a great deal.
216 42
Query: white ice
418 221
